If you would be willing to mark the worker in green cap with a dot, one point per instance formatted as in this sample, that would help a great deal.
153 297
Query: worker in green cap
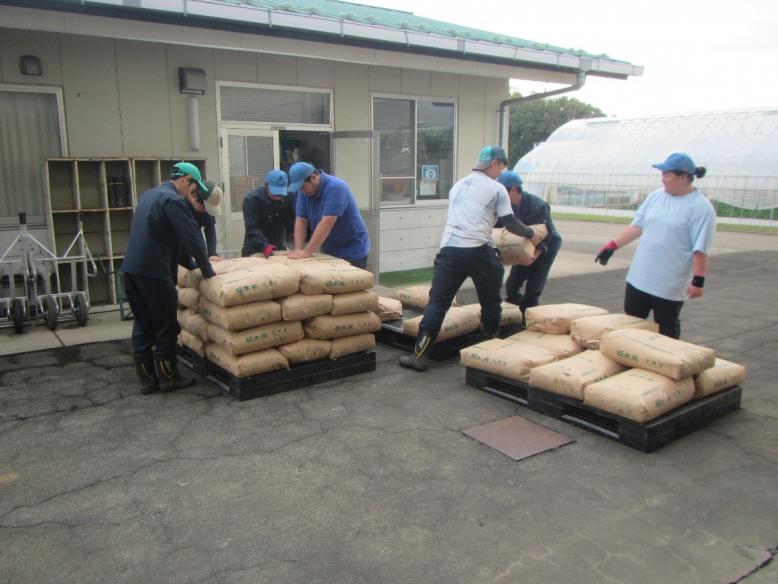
163 233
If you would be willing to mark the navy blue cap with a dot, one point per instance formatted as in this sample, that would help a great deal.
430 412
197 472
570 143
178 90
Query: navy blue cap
509 178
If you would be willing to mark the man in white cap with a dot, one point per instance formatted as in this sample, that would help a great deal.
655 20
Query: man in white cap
475 203
163 232
207 206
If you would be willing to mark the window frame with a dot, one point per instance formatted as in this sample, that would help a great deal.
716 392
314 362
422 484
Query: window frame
416 203
246 124
40 220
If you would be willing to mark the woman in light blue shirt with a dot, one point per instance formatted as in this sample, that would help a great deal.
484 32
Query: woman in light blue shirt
675 225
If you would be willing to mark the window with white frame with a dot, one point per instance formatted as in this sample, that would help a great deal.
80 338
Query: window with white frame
29 133
416 143
266 105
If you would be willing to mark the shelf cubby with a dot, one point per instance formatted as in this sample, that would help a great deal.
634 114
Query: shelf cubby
99 196
91 184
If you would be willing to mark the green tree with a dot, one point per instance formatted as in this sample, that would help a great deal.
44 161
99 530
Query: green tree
534 121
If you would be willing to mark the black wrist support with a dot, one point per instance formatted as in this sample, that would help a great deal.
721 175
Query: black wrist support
698 281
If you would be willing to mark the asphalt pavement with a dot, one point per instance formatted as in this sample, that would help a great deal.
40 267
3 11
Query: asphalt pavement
371 478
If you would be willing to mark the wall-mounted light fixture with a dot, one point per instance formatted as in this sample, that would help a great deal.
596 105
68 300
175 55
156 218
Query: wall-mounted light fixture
30 65
192 82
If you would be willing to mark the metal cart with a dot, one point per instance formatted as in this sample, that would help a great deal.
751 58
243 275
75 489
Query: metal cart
32 274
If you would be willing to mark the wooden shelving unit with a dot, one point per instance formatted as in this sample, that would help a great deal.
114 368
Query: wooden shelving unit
99 196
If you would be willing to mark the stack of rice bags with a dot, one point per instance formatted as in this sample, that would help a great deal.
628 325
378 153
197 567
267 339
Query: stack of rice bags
194 327
265 315
622 364
458 321
335 304
546 340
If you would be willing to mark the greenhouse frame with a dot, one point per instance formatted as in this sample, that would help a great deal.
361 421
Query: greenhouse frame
605 164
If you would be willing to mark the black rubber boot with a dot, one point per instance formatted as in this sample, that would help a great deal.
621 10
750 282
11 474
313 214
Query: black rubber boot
488 335
418 360
169 374
144 368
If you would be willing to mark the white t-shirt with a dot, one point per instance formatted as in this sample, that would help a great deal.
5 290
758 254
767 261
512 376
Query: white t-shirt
672 228
474 204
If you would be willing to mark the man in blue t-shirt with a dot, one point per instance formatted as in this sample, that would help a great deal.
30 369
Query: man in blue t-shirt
330 209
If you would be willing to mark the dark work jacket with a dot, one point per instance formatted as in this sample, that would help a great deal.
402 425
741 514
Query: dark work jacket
208 224
533 211
163 230
266 221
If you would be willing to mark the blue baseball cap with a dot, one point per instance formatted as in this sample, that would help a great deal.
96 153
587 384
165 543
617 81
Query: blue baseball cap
297 175
677 161
489 153
509 178
277 182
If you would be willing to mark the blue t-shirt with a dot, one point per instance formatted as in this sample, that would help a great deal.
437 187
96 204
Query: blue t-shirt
348 239
673 228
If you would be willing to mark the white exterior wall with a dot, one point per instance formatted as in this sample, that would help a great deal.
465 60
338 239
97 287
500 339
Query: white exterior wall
121 98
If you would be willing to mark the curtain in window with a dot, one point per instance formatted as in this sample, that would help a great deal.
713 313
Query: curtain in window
277 106
29 133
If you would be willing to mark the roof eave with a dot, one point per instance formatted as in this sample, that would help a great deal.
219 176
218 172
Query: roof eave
253 20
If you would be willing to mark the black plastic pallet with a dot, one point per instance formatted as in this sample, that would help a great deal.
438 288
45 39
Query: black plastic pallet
646 437
391 333
303 375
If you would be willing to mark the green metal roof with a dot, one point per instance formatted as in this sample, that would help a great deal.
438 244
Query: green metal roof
400 19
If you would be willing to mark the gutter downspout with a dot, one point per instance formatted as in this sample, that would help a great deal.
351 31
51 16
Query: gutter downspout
505 104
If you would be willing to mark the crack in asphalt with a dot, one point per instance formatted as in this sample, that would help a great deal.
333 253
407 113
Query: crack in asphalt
767 561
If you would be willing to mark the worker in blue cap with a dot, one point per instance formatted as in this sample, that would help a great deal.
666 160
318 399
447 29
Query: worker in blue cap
163 233
530 210
326 205
675 225
268 212
467 250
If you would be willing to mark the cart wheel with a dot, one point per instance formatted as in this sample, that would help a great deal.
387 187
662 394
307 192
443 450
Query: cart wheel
51 310
81 308
17 310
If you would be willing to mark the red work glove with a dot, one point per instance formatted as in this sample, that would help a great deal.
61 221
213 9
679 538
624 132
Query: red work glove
269 249
606 251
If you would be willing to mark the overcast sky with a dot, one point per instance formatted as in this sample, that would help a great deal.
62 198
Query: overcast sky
698 55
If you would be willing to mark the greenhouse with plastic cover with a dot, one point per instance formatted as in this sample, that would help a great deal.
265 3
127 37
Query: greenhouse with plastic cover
603 165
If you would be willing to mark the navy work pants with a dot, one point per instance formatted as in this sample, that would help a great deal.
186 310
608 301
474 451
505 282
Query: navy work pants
154 303
535 277
666 312
452 266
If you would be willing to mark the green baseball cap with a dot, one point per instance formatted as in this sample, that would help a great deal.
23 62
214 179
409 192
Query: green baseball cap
188 169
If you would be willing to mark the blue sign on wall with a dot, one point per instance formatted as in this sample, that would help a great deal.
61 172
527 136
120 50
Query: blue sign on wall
430 172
